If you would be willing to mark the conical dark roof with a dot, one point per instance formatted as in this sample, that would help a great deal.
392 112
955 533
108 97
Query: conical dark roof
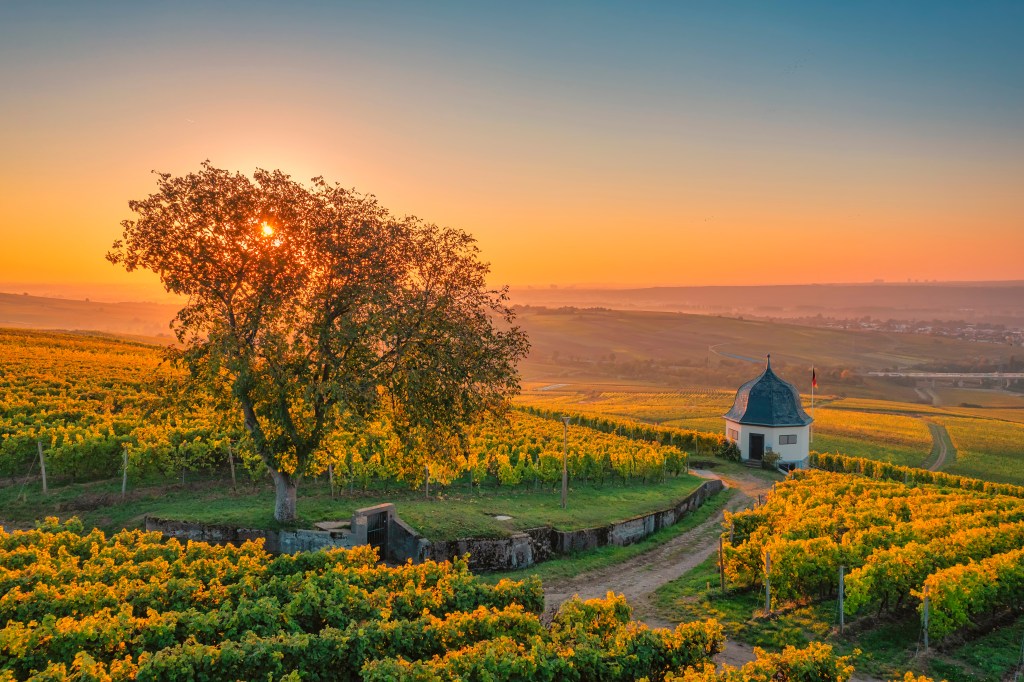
768 401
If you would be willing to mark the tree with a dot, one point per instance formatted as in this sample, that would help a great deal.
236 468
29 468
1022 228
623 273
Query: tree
313 309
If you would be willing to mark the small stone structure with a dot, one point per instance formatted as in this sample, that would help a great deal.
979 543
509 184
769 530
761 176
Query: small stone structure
398 542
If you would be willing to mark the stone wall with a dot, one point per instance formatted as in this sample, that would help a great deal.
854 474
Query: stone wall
522 550
278 542
404 543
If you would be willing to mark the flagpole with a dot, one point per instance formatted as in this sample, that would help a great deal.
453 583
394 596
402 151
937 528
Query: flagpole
814 380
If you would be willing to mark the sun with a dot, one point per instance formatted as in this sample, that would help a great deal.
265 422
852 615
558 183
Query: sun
268 229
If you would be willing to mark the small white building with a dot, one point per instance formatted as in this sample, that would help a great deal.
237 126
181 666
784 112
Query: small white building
767 416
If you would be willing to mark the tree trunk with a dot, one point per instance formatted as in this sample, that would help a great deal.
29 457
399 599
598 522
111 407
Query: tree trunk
286 489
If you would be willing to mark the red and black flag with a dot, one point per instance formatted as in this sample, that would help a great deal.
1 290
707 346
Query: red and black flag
814 378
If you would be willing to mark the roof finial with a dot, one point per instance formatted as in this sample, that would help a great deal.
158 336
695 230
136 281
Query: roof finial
769 361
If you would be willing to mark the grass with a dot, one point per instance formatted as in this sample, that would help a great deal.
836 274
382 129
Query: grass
987 448
582 562
887 648
983 398
453 513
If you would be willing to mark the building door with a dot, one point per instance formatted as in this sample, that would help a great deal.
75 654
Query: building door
756 449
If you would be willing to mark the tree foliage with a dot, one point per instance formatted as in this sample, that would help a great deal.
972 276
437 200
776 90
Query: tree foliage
313 308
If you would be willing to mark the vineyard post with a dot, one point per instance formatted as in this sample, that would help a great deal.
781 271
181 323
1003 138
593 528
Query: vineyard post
927 607
231 463
330 478
42 464
565 459
124 475
721 561
767 584
842 590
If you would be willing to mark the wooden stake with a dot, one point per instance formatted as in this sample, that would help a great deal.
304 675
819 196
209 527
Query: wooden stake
330 477
231 463
767 584
124 475
42 464
426 481
927 608
842 595
721 561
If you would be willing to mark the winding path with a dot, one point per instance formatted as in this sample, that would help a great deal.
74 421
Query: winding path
942 447
638 578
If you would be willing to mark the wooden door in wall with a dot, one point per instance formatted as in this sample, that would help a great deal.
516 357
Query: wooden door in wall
756 449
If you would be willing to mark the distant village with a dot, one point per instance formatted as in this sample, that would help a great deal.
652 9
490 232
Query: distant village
979 332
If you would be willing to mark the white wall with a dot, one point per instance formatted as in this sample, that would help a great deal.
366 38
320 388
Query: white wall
787 453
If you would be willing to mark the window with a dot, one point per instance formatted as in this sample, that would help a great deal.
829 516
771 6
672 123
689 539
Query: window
789 439
734 434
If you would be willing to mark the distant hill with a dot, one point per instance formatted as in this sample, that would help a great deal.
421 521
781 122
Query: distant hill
994 302
632 346
678 349
150 320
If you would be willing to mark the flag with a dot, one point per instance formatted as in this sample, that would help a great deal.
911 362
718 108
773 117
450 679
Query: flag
814 378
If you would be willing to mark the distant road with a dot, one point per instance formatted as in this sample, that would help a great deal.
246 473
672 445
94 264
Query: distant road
744 358
950 375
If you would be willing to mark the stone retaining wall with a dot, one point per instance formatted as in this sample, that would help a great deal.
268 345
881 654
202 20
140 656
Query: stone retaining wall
522 550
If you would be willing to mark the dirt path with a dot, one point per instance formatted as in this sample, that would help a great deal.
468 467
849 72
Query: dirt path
639 577
942 449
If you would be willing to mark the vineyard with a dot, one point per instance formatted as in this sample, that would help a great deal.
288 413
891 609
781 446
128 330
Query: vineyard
130 606
82 605
89 402
955 542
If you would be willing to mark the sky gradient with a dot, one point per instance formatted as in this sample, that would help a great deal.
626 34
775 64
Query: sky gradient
581 143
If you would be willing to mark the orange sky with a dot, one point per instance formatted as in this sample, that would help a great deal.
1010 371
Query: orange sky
708 166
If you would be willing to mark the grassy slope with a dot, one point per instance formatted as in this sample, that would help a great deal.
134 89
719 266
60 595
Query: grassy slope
685 339
453 514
